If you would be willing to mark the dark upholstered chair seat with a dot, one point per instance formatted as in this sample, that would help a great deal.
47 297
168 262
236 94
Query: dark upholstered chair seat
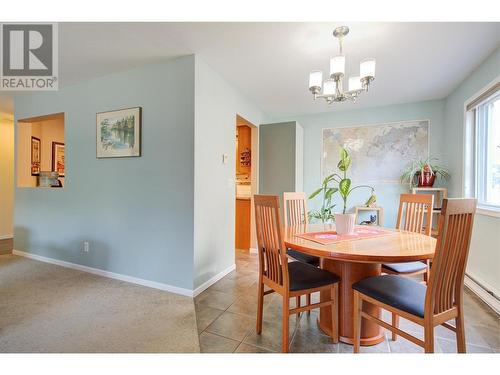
408 267
304 276
397 291
304 258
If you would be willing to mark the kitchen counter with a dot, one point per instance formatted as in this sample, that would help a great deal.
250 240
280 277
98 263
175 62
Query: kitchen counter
244 197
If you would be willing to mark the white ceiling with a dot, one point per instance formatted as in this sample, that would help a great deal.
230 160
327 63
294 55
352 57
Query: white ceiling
270 62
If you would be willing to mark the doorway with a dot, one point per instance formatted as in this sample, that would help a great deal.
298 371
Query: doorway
6 182
246 172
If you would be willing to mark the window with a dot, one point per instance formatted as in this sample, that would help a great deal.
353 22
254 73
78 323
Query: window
483 149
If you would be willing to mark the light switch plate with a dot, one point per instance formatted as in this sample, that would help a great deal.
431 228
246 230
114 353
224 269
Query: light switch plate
224 158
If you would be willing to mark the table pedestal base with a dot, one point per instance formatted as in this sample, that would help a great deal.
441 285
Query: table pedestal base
348 340
350 273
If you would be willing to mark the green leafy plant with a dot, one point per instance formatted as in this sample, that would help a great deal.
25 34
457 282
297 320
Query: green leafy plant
336 183
417 167
325 213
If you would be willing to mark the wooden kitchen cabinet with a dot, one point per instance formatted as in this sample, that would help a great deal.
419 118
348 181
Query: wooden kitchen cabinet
243 152
242 240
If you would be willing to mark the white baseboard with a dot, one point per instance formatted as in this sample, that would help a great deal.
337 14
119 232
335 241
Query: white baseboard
213 280
254 250
111 275
482 293
6 236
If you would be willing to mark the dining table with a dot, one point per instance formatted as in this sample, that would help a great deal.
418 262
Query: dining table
353 260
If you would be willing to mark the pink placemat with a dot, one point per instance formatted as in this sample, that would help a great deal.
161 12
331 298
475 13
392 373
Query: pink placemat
329 237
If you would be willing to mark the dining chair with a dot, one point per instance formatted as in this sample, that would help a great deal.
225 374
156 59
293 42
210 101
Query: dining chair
295 213
288 279
414 215
427 305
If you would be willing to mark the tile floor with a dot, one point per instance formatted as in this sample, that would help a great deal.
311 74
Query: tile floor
226 314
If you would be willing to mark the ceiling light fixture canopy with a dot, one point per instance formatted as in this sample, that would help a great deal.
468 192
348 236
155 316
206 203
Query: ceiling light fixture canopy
332 88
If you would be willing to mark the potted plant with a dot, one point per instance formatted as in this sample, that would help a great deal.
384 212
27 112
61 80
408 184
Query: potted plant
423 172
325 213
344 222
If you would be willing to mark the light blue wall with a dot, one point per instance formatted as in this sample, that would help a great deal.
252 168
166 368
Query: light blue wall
216 106
484 257
137 213
388 194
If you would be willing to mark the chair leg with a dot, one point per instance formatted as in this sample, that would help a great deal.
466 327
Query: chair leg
284 325
428 337
308 302
356 321
459 324
260 307
395 323
334 295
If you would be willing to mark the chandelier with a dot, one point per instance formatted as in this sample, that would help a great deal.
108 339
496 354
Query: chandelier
333 90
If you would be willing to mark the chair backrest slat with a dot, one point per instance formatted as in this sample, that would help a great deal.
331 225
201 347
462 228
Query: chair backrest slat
295 212
416 209
450 259
272 253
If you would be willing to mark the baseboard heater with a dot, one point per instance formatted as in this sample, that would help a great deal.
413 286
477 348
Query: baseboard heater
483 292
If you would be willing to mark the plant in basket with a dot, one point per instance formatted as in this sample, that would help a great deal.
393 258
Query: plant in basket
424 172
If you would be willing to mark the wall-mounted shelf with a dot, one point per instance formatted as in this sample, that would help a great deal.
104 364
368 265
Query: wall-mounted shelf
378 209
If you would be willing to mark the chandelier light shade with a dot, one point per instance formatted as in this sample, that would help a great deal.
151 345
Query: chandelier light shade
332 88
316 80
367 68
329 87
337 66
354 83
367 72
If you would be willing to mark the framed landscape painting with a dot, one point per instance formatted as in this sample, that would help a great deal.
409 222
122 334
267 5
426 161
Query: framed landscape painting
119 133
36 156
58 158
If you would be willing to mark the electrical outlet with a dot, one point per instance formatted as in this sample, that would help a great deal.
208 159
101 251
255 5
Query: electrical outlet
86 246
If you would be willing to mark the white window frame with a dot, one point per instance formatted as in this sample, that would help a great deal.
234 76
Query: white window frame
469 163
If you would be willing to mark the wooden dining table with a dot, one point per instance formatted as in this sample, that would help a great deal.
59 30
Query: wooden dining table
355 260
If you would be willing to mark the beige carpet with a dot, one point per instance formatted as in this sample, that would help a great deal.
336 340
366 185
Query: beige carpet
47 308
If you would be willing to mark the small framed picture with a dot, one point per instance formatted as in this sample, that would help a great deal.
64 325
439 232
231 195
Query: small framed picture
58 158
36 156
119 133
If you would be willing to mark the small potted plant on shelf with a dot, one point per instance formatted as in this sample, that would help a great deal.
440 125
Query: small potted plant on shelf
344 222
423 173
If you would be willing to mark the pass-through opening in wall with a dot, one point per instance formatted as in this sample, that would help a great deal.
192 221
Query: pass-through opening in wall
40 148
